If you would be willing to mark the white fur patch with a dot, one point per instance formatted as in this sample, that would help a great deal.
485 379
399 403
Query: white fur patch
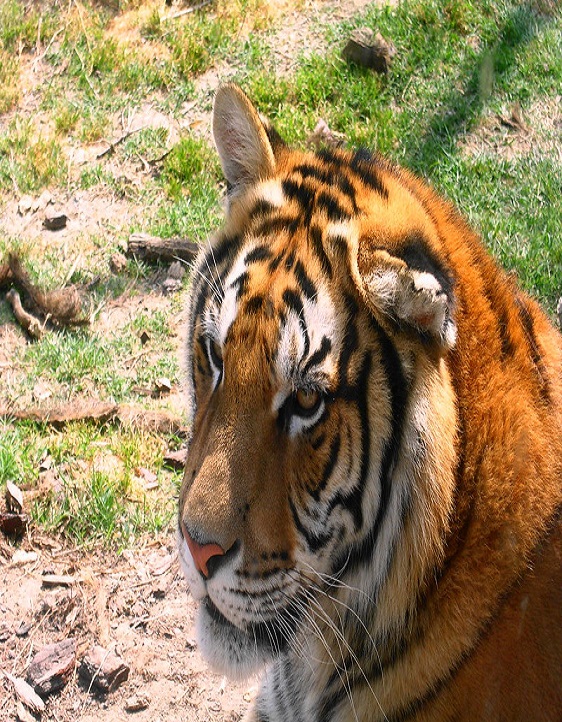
271 192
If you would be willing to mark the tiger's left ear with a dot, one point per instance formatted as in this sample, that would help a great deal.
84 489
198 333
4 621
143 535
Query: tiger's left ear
241 139
411 290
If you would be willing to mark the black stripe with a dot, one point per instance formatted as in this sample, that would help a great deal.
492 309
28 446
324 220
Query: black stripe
349 345
225 249
201 300
529 329
254 304
241 284
293 301
305 282
330 156
314 542
334 210
274 263
299 192
331 179
277 224
398 399
259 253
417 254
352 501
328 468
319 355
261 207
317 443
363 164
289 261
315 236
507 345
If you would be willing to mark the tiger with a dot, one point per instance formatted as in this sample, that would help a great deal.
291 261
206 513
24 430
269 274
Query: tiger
369 515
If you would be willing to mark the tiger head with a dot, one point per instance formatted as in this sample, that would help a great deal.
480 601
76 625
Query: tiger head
321 461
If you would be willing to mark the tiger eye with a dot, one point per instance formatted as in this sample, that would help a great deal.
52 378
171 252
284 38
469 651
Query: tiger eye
307 399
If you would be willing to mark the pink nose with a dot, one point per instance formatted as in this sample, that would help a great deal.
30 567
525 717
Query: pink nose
201 553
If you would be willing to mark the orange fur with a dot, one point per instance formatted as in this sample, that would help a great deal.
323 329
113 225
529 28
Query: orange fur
440 375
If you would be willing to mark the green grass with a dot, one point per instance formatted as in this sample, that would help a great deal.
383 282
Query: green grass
459 66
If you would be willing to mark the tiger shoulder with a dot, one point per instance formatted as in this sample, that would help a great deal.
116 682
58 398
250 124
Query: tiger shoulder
370 510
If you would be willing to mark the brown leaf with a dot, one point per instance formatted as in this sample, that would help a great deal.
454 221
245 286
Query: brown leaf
14 498
26 694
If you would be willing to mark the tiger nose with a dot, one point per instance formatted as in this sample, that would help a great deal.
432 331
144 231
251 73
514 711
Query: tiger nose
201 553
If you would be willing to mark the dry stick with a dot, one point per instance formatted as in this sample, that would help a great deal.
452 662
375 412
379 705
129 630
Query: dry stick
188 10
30 323
39 58
112 145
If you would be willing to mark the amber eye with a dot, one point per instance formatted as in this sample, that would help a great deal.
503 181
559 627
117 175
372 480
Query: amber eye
307 400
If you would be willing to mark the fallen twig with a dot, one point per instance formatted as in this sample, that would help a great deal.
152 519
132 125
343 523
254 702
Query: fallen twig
112 145
62 306
187 11
30 323
155 421
152 248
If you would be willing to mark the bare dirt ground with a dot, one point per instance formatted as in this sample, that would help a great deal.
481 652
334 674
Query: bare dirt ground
135 604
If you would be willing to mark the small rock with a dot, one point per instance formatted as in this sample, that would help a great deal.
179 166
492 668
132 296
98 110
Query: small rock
559 311
162 386
25 205
46 463
21 557
52 666
149 477
176 270
159 590
54 220
370 50
137 703
171 285
118 263
176 459
41 392
23 629
5 633
103 669
43 201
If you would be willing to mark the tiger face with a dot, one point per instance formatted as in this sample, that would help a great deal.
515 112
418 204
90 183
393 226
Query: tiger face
322 480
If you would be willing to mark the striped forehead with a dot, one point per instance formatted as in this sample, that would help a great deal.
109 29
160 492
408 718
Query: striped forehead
298 302
281 264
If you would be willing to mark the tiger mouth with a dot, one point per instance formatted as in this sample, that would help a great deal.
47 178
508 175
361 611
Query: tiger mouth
271 635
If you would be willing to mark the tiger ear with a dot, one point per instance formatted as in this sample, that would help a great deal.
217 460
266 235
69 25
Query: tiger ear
411 290
244 148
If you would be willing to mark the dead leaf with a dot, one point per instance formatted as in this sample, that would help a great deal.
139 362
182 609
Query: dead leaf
26 694
14 498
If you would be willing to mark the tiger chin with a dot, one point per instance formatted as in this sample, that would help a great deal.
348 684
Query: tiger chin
370 510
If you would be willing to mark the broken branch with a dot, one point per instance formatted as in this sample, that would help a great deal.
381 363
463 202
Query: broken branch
151 248
30 323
